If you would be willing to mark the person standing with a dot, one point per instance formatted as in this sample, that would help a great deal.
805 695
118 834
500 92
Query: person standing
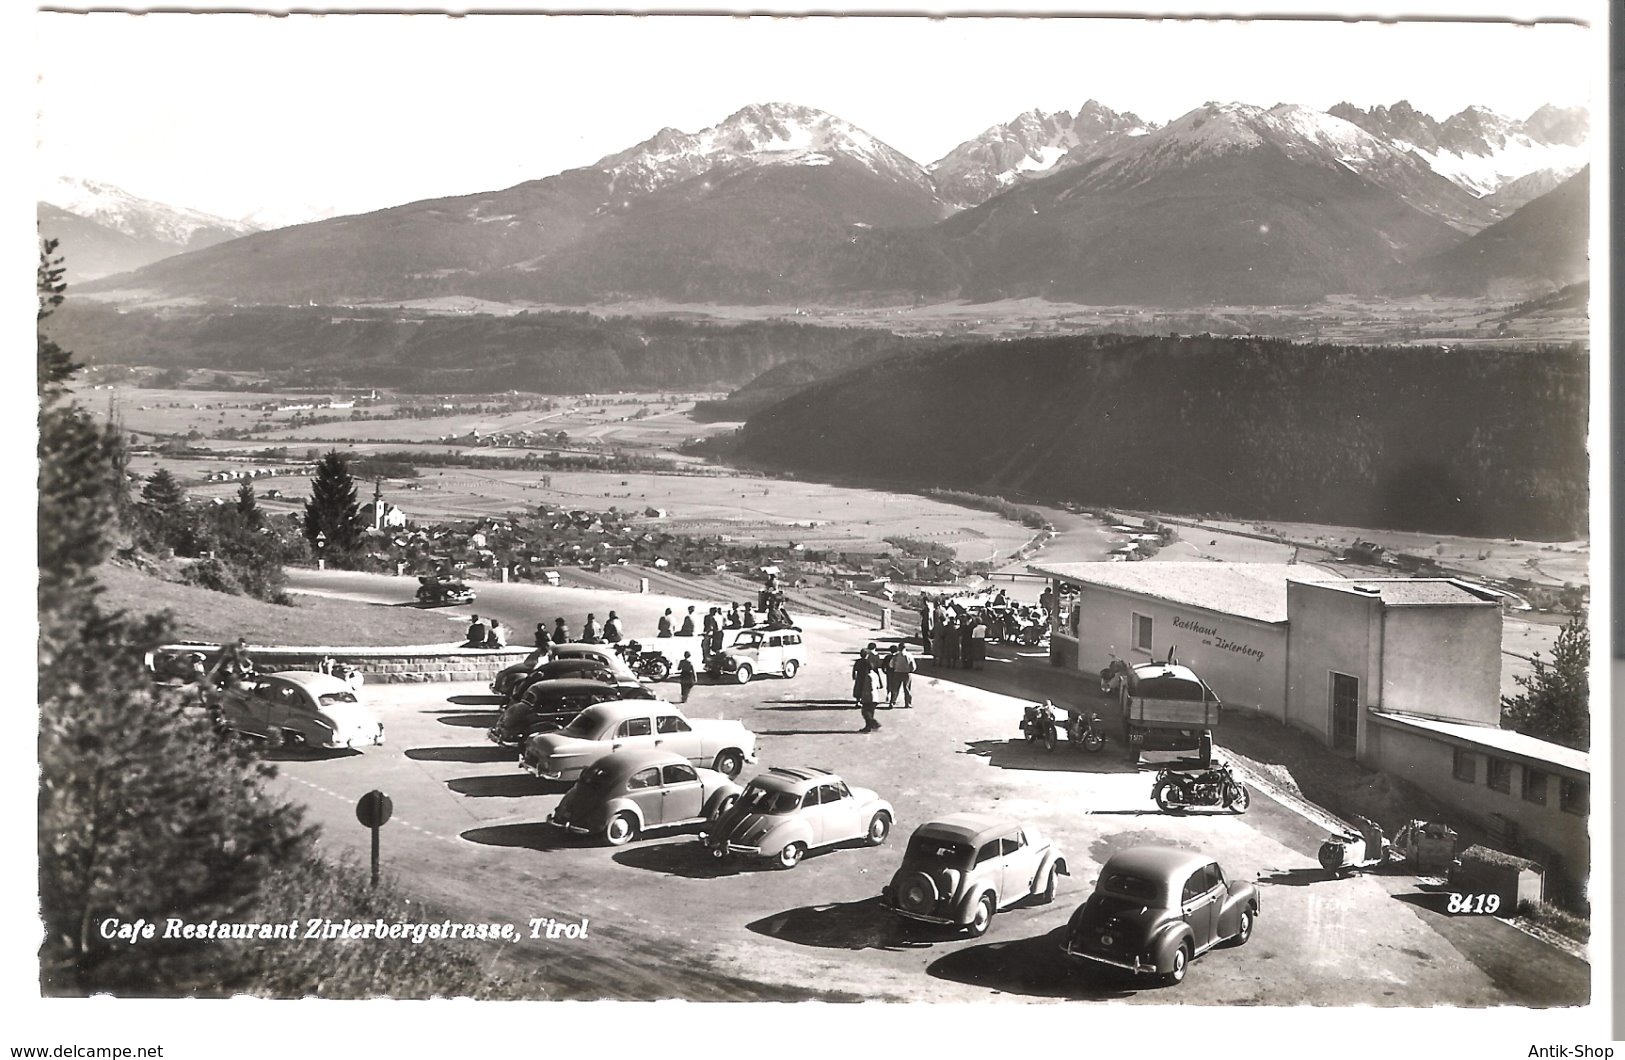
685 675
687 628
900 677
950 643
612 629
967 628
664 628
925 626
978 644
711 642
863 689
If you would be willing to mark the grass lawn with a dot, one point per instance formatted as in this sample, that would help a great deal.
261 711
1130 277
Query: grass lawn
201 614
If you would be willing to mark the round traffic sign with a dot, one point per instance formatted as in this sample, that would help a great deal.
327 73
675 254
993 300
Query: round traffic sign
374 808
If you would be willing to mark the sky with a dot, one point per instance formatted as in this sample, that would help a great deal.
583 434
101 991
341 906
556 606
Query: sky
299 116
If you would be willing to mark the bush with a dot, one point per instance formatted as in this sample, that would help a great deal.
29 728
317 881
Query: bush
210 573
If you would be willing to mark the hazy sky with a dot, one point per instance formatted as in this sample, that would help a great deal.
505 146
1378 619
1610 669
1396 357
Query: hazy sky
304 114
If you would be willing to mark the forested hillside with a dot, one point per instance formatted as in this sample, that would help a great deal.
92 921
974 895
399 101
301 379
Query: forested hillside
1489 443
543 352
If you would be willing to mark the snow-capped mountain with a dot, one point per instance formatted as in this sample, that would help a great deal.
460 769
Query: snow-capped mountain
1477 148
1029 145
103 229
764 134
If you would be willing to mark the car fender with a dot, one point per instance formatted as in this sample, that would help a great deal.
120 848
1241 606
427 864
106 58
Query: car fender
608 810
1052 859
777 838
973 894
714 798
1167 940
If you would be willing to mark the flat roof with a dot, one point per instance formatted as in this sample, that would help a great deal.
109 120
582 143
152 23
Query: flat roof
1503 741
1247 590
1424 592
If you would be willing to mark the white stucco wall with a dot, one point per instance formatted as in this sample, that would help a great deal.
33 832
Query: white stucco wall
1443 662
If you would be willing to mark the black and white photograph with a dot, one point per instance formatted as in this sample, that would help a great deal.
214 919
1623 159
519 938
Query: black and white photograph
883 523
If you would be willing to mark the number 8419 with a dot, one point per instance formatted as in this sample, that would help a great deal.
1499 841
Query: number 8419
1473 903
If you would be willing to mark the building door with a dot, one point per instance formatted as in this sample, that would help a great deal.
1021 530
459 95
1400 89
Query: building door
1345 713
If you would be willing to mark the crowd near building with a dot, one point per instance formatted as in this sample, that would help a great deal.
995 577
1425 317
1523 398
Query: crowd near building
1401 674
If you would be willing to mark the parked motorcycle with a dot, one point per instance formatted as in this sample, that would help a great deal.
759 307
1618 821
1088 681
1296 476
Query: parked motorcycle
1038 723
1175 790
1086 731
650 664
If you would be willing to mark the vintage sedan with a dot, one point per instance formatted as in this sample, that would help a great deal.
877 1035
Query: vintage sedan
786 812
759 651
540 666
298 708
961 869
550 705
630 724
623 795
1155 909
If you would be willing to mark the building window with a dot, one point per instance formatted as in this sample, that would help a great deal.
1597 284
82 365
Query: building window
1465 766
1573 796
1534 785
1142 633
1500 775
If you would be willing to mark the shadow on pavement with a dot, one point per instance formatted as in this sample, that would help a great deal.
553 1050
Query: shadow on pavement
1032 967
1300 877
534 835
1019 754
480 720
689 860
308 754
507 786
807 704
477 701
809 732
1432 901
478 753
859 925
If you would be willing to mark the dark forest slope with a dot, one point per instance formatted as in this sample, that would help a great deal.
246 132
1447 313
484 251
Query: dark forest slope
1484 443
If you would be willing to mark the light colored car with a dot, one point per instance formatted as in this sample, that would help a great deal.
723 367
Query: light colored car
636 724
961 869
784 813
297 707
760 651
1155 909
626 793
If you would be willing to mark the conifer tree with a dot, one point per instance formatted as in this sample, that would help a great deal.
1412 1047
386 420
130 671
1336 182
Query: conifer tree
162 491
333 515
1555 703
248 506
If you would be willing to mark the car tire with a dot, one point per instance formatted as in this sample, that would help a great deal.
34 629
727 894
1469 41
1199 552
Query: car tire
1244 931
1182 963
1047 895
743 674
982 918
879 829
791 855
790 668
621 829
729 763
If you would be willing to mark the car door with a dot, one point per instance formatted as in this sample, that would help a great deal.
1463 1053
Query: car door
637 732
673 733
1199 905
772 657
1020 866
645 790
839 811
684 798
989 867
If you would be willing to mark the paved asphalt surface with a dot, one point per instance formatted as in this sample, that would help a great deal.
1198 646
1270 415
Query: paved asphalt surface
665 920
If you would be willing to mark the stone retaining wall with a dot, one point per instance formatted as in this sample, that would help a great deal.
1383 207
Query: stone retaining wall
415 663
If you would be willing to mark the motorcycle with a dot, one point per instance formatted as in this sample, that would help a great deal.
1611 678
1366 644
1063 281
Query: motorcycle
1218 786
650 664
1086 731
1038 723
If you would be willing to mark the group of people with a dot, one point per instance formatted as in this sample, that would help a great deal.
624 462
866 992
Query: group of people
956 635
483 634
874 675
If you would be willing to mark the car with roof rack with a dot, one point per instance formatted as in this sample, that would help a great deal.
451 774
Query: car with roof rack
784 813
630 724
959 870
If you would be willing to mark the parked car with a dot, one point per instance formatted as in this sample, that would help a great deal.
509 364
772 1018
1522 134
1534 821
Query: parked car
784 813
638 723
628 792
760 651
296 708
961 869
435 591
549 705
513 683
1155 909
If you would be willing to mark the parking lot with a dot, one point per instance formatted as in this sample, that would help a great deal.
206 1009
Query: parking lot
666 920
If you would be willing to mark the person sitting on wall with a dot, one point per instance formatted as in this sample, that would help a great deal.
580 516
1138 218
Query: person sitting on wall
664 627
496 637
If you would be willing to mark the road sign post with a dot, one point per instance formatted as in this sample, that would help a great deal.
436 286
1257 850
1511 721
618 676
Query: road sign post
372 810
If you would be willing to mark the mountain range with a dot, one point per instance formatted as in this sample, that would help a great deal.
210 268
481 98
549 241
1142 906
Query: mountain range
786 204
109 230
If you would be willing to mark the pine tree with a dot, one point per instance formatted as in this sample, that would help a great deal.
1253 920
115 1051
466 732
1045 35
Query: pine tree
1555 703
248 506
162 491
332 511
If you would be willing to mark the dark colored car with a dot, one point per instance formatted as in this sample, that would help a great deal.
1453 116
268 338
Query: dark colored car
514 683
1155 909
551 705
434 591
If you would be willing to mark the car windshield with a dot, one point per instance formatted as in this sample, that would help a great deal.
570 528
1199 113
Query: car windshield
937 852
748 640
1127 885
337 697
758 798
